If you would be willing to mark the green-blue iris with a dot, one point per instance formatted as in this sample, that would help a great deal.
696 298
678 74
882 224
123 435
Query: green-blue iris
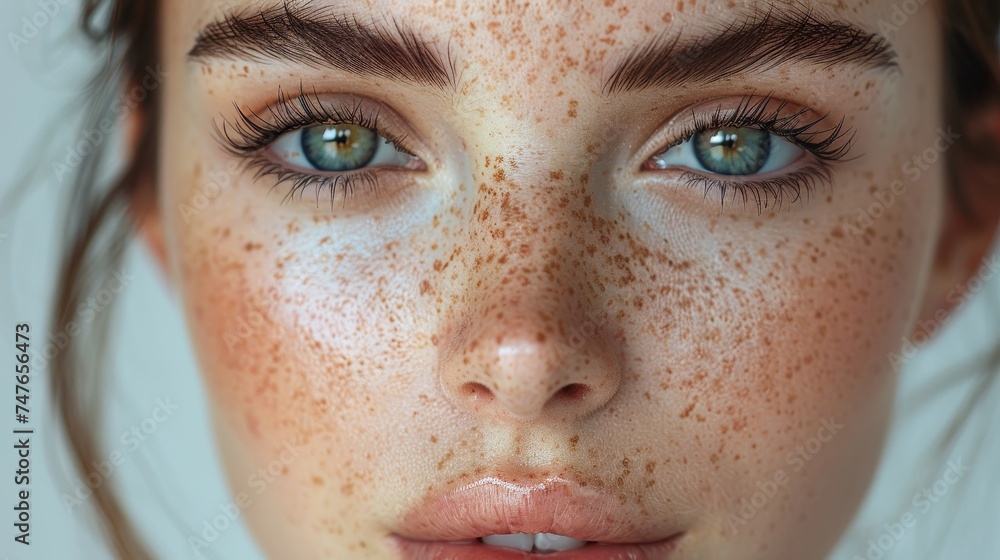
339 147
732 151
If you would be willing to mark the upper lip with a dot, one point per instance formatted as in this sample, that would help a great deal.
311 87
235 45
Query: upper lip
495 505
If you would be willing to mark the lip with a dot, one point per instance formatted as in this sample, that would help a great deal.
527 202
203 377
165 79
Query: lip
418 550
445 525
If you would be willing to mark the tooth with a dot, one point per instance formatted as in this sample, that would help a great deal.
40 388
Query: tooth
520 541
548 542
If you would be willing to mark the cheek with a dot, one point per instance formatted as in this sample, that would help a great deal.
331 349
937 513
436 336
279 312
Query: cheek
309 341
285 343
797 333
770 331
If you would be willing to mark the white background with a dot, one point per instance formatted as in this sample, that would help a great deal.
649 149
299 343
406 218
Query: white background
172 493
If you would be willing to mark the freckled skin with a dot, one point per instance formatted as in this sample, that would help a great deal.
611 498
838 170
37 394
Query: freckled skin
534 303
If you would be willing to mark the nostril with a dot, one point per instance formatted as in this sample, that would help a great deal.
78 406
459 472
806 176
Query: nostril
477 392
574 391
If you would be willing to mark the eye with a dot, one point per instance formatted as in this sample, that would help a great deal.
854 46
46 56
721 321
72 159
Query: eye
339 147
730 151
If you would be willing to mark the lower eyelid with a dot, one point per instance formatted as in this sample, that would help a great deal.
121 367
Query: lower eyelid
344 193
767 193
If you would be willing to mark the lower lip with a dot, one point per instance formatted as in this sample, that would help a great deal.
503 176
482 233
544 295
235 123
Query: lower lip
418 550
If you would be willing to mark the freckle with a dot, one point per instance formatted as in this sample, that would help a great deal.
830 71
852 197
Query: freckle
500 175
668 17
573 104
687 411
448 456
317 481
555 175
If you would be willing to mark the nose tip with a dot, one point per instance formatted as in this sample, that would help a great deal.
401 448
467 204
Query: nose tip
516 371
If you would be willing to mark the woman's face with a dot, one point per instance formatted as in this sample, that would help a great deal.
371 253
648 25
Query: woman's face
627 272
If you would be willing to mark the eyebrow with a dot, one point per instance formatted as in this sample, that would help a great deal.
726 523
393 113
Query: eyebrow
760 42
321 38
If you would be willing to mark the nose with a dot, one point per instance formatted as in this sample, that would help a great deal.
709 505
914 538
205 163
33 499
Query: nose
525 362
529 338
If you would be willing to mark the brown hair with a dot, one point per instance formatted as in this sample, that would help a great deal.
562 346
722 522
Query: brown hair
103 218
127 31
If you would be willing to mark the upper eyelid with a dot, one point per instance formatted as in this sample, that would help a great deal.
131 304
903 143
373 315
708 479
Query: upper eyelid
832 143
250 130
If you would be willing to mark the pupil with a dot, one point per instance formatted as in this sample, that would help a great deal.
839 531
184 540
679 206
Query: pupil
727 143
725 138
338 135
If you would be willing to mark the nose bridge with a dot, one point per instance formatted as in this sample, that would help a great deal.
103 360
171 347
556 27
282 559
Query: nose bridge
516 350
525 241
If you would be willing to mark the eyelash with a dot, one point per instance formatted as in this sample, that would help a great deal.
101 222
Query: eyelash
762 192
250 134
827 145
